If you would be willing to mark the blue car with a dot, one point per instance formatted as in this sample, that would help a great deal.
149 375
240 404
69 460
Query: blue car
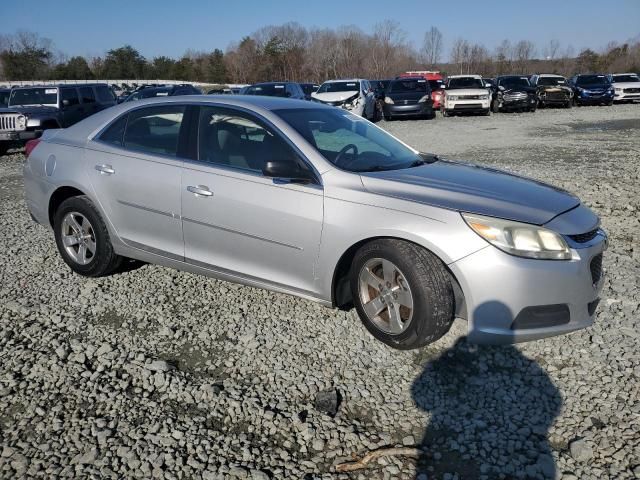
592 90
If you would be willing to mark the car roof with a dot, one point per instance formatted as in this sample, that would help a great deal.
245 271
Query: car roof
270 83
59 85
344 80
465 76
620 74
550 75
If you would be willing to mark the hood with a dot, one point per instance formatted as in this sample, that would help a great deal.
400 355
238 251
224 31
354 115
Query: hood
334 96
415 95
626 84
467 91
554 88
595 87
27 109
471 188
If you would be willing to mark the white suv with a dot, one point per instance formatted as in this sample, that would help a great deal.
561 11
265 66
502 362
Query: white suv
355 95
627 87
466 93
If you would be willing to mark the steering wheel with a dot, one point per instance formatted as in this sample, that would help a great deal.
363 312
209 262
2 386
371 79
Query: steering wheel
344 150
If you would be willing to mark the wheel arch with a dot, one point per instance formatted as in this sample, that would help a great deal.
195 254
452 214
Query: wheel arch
340 289
60 195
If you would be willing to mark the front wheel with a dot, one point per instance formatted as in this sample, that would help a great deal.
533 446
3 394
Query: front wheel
402 293
4 148
445 113
495 106
82 238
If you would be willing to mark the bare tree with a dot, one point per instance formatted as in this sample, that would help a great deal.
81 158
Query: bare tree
551 49
432 46
387 39
523 52
460 54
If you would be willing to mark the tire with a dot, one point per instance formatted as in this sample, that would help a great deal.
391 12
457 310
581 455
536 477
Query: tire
388 118
103 260
533 109
445 113
569 104
487 112
4 148
414 270
610 103
495 106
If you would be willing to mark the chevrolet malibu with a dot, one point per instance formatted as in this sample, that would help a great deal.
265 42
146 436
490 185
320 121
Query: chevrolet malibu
314 201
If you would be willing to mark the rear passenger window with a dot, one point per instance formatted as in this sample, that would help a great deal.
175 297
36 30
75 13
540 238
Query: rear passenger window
104 94
86 93
115 133
155 129
71 97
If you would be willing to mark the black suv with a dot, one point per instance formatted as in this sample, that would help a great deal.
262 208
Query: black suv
4 97
149 91
513 92
31 110
277 89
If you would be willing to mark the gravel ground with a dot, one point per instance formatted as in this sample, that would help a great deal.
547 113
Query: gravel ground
156 373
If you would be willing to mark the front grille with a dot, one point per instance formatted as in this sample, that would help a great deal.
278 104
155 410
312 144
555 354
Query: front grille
631 90
584 237
556 96
514 97
469 97
467 106
596 268
9 122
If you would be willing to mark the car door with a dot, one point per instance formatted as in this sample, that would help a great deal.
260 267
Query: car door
135 167
70 105
234 219
89 104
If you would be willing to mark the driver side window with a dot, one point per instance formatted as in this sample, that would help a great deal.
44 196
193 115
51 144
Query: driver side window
234 139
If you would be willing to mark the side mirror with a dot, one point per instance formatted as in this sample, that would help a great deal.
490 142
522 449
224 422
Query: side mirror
501 88
65 103
286 171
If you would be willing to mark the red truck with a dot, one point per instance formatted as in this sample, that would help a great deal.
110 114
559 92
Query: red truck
436 82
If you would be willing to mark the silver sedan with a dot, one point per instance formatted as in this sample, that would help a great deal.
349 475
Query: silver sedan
313 201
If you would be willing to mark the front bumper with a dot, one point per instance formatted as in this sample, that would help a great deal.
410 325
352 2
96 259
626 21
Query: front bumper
467 105
622 97
594 99
510 299
19 136
529 102
423 109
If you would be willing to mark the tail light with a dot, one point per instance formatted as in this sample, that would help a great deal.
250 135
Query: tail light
31 144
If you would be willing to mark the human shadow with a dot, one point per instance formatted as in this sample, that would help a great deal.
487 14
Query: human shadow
490 410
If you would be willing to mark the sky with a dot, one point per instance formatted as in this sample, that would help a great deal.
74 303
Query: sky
159 27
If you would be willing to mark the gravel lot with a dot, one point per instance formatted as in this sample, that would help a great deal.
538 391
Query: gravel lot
156 373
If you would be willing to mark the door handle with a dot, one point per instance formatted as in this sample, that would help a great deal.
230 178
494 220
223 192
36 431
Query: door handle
201 190
105 169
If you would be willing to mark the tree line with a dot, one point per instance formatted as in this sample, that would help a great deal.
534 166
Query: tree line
293 52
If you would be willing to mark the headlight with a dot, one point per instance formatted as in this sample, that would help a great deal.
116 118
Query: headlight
423 99
484 97
388 100
520 239
618 90
21 122
453 98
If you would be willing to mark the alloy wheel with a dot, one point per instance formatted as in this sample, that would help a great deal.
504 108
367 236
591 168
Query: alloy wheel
385 295
78 238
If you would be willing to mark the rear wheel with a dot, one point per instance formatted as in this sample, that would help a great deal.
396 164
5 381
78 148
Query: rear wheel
82 238
402 293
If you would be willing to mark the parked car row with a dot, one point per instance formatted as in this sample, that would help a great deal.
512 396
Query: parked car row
25 112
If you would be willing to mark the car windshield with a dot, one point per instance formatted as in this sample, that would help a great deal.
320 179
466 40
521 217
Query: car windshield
551 81
413 85
4 98
465 82
34 96
268 89
591 80
339 87
626 78
435 84
348 141
514 82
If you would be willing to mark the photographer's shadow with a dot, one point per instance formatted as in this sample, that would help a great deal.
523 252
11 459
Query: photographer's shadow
491 409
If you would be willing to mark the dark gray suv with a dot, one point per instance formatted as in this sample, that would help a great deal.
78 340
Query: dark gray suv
31 110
